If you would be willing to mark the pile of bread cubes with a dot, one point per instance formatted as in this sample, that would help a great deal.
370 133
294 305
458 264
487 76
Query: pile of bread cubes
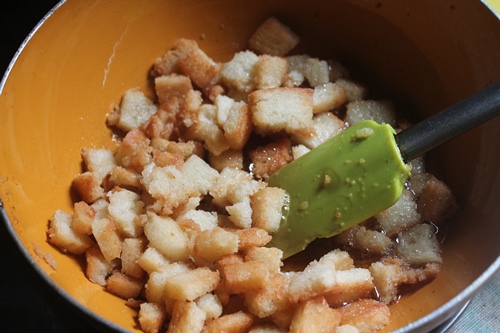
176 220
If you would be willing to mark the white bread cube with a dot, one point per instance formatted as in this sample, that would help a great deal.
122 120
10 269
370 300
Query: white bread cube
119 176
192 284
155 286
299 150
274 38
212 245
372 241
400 216
132 250
186 317
108 238
352 285
135 109
270 256
340 259
234 186
266 328
289 109
228 159
98 268
166 236
151 317
436 202
346 329
205 129
152 260
270 71
316 72
267 208
327 97
62 235
124 207
380 111
240 213
239 73
419 245
266 301
211 304
205 220
172 86
316 279
99 161
230 323
353 90
200 174
324 127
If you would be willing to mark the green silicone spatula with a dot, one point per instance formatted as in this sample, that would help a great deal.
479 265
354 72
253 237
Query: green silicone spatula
362 171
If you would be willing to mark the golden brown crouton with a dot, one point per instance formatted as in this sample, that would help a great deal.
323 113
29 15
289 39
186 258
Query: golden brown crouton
252 237
266 301
240 277
271 157
267 208
436 203
228 159
352 285
151 317
315 315
366 315
98 268
238 322
88 186
123 285
270 71
125 178
274 38
62 235
132 250
212 245
186 317
172 86
135 109
108 238
190 285
324 127
83 218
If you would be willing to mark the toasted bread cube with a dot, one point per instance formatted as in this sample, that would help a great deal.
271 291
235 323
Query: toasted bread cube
266 301
436 203
324 127
270 71
62 235
135 109
152 260
123 285
367 315
266 328
327 97
155 286
270 256
151 317
340 259
288 109
400 216
267 208
172 86
316 279
238 125
108 238
419 245
124 207
239 73
315 315
230 323
166 236
190 285
200 68
212 245
316 72
88 186
186 317
380 111
200 174
274 38
227 159
132 250
211 304
240 213
205 129
271 157
245 276
98 161
98 268
134 142
252 237
352 285
353 91
119 176
83 218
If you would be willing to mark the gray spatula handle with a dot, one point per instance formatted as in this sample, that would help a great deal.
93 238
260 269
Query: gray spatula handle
449 123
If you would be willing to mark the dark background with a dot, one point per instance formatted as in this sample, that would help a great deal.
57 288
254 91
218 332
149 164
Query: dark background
27 304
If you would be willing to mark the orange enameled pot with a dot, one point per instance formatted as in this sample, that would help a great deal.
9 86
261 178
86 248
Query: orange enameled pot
69 74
